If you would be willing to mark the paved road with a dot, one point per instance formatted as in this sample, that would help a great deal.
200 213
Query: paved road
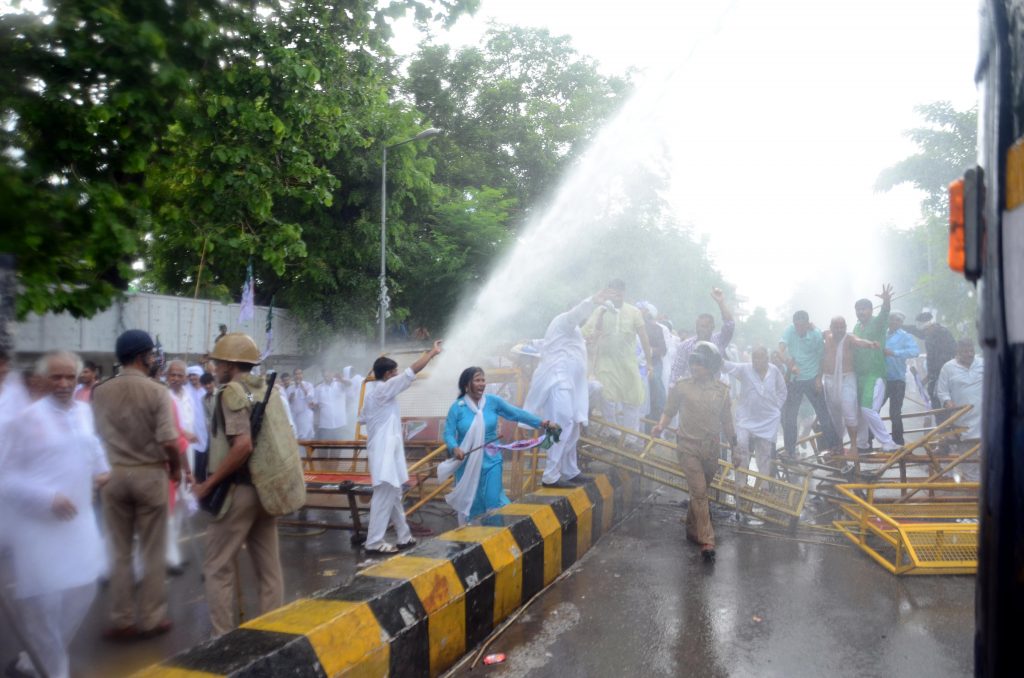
644 604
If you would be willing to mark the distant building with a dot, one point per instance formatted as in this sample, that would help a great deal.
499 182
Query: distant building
185 328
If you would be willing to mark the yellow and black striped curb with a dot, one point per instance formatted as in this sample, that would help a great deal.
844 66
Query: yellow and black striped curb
418 613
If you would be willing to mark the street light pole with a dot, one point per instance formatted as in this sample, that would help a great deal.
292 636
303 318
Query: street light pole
385 303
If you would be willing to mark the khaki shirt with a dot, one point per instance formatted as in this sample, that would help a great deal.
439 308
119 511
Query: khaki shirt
704 411
133 417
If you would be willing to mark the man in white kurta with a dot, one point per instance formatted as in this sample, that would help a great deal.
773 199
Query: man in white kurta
758 412
559 391
385 450
354 386
181 394
302 400
195 389
960 383
330 398
50 459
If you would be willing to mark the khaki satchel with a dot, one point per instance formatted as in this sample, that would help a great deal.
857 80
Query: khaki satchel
275 465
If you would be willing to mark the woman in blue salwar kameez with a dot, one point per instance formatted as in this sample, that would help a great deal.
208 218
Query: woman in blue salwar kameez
465 442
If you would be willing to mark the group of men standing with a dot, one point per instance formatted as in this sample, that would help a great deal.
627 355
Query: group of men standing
135 441
325 411
848 376
632 359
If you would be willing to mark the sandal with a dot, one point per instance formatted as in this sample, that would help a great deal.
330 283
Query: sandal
383 548
407 544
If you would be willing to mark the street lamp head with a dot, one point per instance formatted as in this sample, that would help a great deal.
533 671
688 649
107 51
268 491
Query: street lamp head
431 132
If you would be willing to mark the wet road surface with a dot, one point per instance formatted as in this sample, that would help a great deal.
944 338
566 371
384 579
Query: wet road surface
643 603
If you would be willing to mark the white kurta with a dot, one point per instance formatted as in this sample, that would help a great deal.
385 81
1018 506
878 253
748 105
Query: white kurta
963 385
13 396
45 451
760 403
300 397
199 415
385 447
331 398
186 416
563 366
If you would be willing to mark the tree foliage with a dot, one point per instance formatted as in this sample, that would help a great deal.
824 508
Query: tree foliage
189 138
947 147
517 110
917 256
201 122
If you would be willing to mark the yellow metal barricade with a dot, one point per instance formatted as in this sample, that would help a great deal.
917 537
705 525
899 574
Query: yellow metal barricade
756 494
938 536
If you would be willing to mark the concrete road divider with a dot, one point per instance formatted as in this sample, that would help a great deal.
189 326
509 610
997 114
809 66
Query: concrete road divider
417 613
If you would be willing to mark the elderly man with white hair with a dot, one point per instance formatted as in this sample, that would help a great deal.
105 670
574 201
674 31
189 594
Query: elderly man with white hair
50 462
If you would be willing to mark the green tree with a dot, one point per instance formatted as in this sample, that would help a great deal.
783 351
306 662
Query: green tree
947 146
191 126
517 110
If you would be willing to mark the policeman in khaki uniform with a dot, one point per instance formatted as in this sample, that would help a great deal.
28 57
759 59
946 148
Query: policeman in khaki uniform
702 403
135 420
265 478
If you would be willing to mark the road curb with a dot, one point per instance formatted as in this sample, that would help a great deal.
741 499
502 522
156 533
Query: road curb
418 613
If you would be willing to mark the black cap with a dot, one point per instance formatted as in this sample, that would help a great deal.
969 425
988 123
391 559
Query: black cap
131 344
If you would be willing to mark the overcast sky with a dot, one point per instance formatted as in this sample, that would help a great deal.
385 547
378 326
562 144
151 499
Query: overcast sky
778 116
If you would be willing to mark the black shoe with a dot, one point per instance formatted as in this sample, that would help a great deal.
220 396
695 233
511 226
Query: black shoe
176 570
559 484
578 481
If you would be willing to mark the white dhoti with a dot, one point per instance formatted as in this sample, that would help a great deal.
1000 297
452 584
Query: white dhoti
562 462
749 445
871 421
50 621
623 414
841 400
385 507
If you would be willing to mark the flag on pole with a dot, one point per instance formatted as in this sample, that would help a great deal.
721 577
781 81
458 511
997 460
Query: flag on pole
248 296
269 341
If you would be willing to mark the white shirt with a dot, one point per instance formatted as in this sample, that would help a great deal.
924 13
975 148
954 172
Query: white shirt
382 418
963 385
563 363
48 450
186 412
300 396
760 403
199 416
331 397
13 396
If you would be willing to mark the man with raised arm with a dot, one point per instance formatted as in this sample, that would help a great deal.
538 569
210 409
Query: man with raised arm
704 331
869 364
558 389
611 334
386 450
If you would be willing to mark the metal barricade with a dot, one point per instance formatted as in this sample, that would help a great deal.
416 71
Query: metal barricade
937 536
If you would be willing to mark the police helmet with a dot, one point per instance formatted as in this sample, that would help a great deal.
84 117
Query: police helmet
707 355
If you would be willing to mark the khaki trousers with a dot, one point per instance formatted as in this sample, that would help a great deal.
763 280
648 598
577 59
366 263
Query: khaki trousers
245 522
700 468
135 503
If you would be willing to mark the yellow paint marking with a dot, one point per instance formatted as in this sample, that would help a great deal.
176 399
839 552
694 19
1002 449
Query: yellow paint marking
582 507
608 505
344 634
550 529
1015 175
506 561
160 671
440 590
